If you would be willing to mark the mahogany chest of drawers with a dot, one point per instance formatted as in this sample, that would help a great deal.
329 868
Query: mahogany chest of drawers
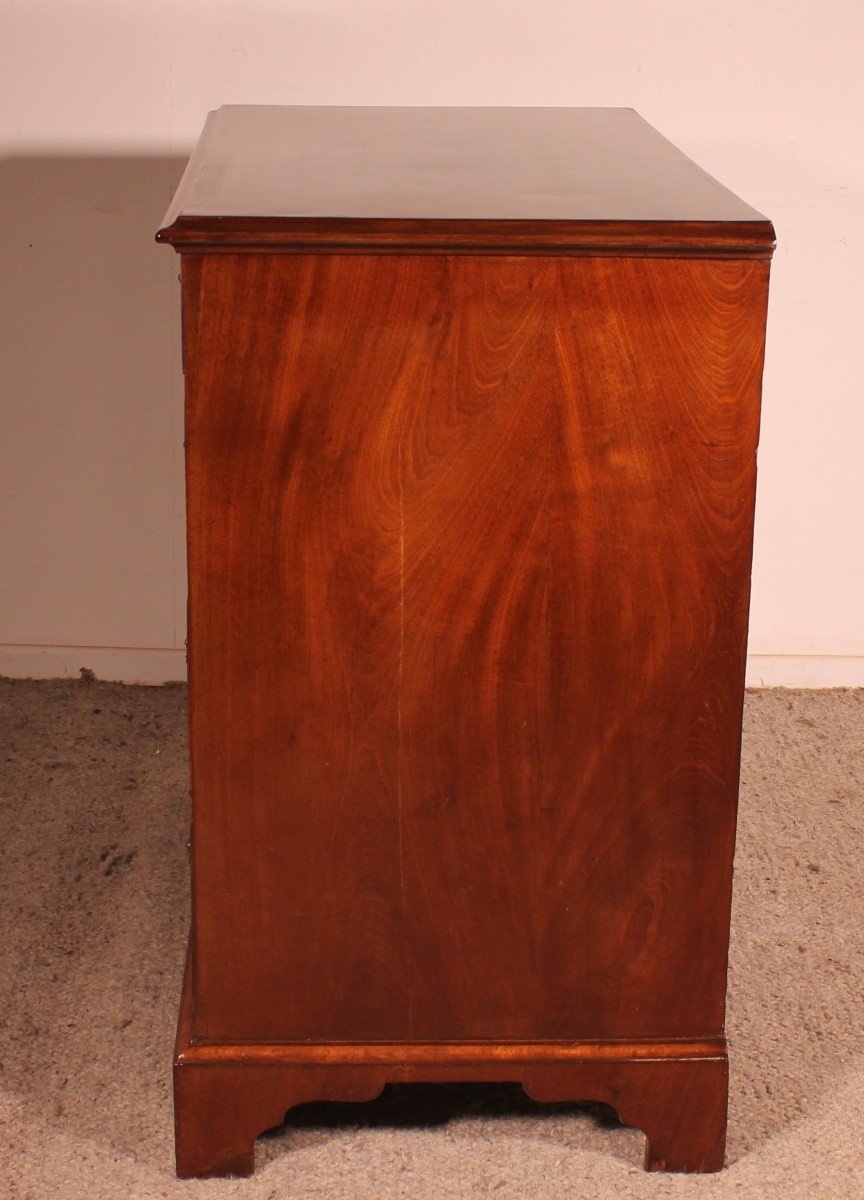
472 406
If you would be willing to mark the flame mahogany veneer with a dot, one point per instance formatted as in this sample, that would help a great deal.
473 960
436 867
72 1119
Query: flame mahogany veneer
472 407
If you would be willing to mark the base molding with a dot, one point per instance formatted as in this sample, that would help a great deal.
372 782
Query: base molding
409 1056
227 1094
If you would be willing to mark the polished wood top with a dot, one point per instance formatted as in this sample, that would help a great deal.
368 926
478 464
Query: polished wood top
548 179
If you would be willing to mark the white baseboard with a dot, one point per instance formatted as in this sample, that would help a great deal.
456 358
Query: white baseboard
805 670
122 664
134 665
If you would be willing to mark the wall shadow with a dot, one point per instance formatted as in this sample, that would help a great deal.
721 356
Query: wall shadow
90 423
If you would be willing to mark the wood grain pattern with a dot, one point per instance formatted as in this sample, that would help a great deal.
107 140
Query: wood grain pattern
469 558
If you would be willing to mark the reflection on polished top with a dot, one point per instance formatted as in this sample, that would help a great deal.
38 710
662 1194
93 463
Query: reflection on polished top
504 175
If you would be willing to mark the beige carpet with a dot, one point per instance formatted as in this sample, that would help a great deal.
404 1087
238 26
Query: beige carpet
93 916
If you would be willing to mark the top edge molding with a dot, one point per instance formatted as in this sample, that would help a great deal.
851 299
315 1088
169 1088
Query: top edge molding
310 235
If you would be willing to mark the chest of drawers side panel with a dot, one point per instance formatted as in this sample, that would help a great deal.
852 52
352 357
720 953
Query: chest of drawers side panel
469 547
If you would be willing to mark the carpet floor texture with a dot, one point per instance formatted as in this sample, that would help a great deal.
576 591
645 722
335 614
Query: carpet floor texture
93 924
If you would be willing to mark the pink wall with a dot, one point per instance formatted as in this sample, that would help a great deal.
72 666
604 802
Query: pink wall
99 105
